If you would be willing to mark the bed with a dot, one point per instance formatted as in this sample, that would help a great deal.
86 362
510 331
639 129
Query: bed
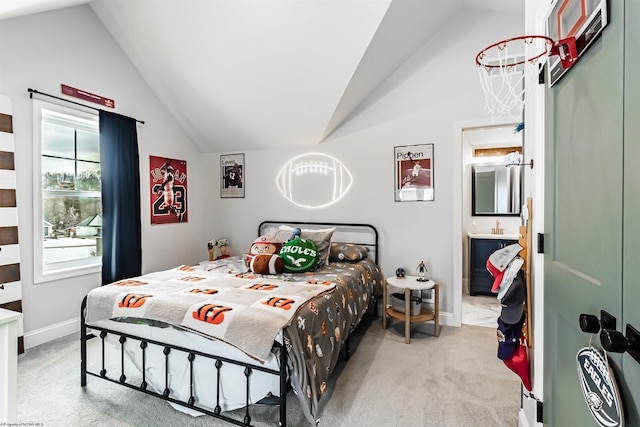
178 349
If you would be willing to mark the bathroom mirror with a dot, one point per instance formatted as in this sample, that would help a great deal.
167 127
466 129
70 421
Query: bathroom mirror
496 190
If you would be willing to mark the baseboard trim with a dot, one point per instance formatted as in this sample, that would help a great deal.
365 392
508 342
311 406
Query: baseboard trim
446 319
51 332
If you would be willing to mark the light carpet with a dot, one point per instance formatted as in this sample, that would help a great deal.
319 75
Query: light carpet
452 380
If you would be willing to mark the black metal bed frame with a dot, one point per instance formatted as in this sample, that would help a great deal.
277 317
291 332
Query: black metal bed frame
191 355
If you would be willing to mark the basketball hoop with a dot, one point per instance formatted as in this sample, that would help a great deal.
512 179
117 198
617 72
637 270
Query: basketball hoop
506 72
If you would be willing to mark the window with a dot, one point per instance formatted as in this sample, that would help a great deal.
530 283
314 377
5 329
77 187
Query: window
67 198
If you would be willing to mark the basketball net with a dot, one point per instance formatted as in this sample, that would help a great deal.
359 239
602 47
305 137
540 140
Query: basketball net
507 69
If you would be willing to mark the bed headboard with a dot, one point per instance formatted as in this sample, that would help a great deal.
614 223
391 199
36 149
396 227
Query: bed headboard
361 234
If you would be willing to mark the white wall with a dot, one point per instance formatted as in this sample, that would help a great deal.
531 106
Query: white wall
71 46
421 103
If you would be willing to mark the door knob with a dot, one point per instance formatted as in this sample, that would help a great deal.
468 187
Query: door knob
590 323
615 342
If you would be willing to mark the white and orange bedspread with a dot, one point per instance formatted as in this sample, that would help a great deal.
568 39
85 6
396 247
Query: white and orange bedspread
242 309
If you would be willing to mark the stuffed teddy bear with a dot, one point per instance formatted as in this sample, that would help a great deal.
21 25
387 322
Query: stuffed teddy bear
267 264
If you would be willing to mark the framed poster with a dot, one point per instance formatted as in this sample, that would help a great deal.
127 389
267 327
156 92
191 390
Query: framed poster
413 173
168 190
231 175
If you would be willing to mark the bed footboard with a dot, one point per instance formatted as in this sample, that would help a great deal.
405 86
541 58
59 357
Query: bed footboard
191 403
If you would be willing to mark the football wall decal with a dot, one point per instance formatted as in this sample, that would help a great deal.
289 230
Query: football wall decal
314 180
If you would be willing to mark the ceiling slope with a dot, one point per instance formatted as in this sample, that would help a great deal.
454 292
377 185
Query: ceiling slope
255 74
11 8
246 74
406 26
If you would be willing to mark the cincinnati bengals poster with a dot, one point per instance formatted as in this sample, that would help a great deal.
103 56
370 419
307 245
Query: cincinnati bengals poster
168 190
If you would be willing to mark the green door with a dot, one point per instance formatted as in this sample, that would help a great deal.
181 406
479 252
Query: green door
629 381
592 214
583 215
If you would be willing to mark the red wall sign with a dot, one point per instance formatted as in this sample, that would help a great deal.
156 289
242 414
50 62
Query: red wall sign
87 96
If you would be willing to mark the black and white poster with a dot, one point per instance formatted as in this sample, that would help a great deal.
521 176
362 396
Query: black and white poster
232 175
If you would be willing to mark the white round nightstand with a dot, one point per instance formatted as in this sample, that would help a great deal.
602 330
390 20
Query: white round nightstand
411 283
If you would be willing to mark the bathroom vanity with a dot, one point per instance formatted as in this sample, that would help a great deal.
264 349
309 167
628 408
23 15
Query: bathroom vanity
481 246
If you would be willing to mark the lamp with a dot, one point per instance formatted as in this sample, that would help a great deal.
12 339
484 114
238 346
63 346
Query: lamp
513 159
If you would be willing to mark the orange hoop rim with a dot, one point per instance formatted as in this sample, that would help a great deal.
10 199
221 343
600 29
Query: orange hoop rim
528 39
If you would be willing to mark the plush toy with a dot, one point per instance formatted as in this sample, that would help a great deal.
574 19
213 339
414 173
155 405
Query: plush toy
295 234
299 255
263 245
223 244
267 264
211 248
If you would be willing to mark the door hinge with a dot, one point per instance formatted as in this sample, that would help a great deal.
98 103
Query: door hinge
540 243
538 411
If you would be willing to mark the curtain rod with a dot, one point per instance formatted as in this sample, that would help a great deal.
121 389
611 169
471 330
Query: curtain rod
32 91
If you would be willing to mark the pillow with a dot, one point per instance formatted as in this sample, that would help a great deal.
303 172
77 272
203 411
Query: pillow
321 238
264 244
267 264
347 252
299 256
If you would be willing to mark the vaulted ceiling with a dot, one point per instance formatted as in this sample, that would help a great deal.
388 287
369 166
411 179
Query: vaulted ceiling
252 74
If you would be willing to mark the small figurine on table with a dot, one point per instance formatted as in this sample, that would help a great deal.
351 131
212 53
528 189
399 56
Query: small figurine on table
211 248
223 244
422 269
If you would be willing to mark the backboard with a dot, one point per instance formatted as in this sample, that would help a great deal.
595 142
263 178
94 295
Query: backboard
582 19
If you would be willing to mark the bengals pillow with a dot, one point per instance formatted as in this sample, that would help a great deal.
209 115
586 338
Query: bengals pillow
321 238
347 252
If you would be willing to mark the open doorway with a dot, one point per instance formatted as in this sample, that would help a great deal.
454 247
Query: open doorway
491 202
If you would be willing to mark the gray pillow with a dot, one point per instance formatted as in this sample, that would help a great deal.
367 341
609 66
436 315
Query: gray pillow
347 252
321 238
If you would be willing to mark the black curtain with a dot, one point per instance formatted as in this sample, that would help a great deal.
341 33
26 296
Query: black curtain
121 229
